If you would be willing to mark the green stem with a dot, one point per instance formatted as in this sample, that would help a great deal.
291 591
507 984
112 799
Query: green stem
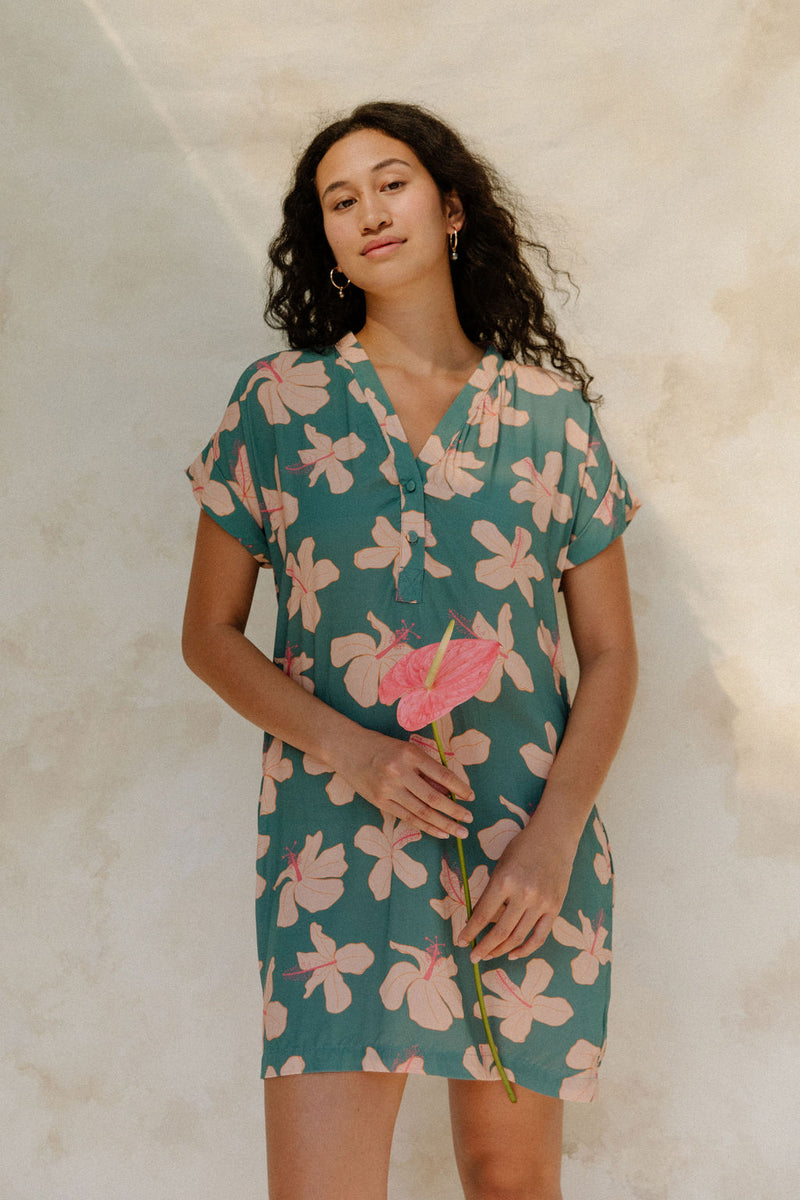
476 972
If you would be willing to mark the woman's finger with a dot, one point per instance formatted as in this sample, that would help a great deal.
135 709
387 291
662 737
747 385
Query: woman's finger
541 932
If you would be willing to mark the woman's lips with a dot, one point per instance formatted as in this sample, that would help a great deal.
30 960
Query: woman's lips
375 249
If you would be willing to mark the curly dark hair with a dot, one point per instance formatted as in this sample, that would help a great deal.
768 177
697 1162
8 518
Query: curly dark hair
498 298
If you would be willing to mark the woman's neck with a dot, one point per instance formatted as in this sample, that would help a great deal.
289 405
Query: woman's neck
422 338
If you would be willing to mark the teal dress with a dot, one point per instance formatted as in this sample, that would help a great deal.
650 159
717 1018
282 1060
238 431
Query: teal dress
373 551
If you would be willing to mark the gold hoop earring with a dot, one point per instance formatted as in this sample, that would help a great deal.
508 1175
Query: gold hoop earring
339 286
452 239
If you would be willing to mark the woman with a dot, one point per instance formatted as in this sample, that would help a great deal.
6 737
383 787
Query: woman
424 451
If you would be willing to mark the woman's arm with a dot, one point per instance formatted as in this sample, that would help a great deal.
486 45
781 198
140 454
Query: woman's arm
527 887
394 775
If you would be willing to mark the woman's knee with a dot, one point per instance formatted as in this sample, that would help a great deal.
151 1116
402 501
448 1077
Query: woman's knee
489 1175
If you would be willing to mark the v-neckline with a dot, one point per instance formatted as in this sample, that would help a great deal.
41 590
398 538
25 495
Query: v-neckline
452 419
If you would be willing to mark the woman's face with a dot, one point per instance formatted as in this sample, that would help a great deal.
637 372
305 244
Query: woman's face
385 219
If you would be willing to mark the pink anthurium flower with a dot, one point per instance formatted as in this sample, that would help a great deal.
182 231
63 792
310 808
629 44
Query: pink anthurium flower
462 673
429 683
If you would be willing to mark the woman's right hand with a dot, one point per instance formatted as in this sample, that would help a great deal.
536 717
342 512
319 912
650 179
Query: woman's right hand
402 779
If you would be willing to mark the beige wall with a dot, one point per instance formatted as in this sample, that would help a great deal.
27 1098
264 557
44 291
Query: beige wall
149 144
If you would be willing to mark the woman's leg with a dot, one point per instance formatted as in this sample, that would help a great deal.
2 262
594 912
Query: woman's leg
506 1151
329 1135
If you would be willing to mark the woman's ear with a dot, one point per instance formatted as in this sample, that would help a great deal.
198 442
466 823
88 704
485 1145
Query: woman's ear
454 210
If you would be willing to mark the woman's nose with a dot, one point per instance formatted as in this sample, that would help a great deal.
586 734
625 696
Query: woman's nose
373 214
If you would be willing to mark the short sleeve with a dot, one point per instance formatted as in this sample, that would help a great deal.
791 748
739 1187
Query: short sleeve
605 504
225 476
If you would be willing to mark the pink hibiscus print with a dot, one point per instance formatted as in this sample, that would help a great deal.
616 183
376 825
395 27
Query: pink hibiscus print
519 1007
275 1013
311 879
448 472
293 1066
339 790
463 750
538 381
553 651
541 490
369 660
326 965
453 907
540 761
389 425
432 996
349 350
207 491
285 384
462 671
483 1068
579 438
495 838
243 487
261 850
392 547
308 578
512 562
589 940
606 509
491 411
327 456
408 1062
584 1058
274 769
388 846
602 860
281 509
508 661
295 666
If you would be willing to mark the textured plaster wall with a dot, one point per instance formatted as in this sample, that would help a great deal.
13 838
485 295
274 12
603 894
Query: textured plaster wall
148 146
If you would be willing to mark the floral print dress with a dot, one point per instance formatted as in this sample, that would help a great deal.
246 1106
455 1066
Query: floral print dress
373 550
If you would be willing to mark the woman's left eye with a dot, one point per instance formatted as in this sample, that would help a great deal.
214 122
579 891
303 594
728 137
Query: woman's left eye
394 184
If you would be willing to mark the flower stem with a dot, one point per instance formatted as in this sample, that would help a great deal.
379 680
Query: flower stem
476 972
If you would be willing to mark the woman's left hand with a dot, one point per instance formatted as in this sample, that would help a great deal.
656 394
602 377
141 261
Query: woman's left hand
523 897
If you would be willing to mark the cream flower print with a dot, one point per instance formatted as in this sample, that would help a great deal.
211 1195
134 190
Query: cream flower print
369 660
408 1062
243 487
579 438
388 847
295 666
540 488
433 997
307 579
584 1058
495 838
212 495
589 940
285 384
389 425
483 1068
339 790
326 965
491 411
293 1066
448 473
508 661
606 509
453 907
553 651
538 381
311 879
327 456
350 351
281 508
519 1007
261 850
275 1013
464 750
540 761
274 769
512 562
392 546
602 860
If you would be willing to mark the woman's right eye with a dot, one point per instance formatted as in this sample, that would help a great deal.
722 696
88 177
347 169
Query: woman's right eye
341 204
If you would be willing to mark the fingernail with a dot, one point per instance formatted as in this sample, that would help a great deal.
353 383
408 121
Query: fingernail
461 832
467 817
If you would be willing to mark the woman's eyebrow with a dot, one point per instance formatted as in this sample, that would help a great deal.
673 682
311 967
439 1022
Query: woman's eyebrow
386 162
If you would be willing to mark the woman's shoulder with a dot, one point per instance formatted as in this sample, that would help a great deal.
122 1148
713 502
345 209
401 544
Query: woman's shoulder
545 392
